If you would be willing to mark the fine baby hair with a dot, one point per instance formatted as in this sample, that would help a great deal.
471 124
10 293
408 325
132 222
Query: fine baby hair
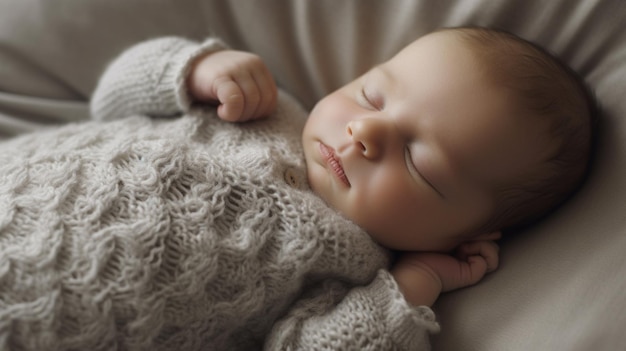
544 88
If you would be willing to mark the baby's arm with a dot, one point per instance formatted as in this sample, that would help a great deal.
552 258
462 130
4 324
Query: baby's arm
391 312
334 317
149 79
165 76
423 276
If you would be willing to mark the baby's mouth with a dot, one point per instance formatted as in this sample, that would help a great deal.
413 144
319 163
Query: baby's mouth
334 163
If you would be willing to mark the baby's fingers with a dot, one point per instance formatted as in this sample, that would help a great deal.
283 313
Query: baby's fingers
259 90
239 82
477 259
268 91
255 96
231 100
476 251
250 93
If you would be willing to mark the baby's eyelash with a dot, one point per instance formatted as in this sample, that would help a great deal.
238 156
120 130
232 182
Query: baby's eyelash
409 163
365 98
415 173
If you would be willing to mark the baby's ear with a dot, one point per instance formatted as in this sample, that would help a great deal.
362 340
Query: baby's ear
488 236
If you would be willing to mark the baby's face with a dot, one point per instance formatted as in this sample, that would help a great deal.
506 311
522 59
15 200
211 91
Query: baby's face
413 150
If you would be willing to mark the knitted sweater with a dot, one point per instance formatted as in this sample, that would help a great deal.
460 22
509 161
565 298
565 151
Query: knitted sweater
184 233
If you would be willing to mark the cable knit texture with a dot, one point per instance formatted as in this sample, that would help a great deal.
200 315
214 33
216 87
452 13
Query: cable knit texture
183 234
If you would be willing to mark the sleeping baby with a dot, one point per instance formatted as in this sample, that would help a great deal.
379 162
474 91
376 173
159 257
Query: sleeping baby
203 209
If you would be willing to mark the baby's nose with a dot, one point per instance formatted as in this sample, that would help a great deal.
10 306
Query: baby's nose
370 136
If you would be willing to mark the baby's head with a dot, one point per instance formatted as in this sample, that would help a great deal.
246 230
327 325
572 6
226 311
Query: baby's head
464 133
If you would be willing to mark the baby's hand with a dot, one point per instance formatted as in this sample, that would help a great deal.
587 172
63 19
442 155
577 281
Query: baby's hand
423 276
239 82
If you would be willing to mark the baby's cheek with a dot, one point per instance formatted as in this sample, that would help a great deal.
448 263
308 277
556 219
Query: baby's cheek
381 212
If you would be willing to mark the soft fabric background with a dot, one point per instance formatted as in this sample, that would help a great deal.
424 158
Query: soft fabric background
561 285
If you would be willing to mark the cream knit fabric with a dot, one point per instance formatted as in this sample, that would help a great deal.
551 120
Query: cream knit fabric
183 234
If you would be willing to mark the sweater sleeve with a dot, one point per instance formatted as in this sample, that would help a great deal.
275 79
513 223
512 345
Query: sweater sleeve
373 317
149 79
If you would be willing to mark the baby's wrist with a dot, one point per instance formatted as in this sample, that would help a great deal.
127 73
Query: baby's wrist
194 79
420 287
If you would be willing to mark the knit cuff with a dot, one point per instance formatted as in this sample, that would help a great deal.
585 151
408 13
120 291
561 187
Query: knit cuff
409 326
180 67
